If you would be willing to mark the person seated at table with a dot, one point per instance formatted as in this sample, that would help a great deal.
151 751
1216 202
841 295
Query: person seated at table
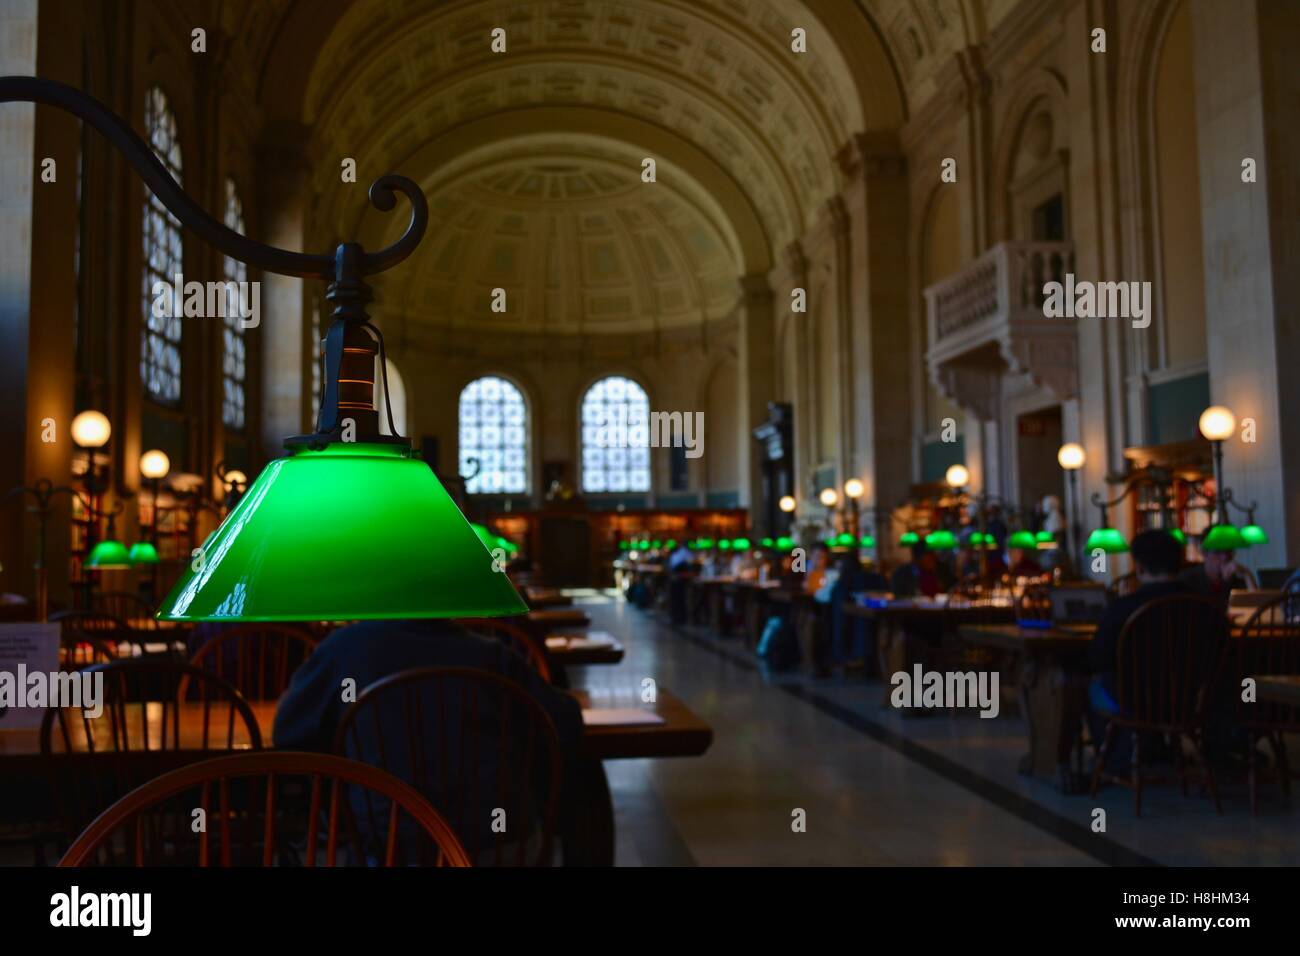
924 574
309 712
849 635
1217 576
682 558
1157 560
818 563
1024 564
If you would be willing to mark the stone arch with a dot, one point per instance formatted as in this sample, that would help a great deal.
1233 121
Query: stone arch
1043 92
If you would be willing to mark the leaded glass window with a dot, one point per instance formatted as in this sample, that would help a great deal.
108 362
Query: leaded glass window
160 341
615 437
234 363
493 437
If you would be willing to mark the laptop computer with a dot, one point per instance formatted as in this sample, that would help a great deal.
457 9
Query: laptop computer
1078 603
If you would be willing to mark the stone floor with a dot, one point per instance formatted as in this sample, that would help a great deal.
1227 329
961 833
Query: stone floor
877 789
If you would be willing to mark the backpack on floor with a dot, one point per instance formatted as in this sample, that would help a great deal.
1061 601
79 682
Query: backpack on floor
779 646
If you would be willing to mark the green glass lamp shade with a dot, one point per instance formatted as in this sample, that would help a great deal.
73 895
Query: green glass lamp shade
976 539
1253 534
785 543
1108 540
1177 534
142 552
867 541
622 545
643 545
1222 537
909 538
941 540
1045 539
1022 539
670 544
509 547
656 544
740 544
108 555
766 542
724 544
706 543
352 531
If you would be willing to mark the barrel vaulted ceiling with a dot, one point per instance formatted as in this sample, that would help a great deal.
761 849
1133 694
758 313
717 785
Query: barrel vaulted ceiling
532 158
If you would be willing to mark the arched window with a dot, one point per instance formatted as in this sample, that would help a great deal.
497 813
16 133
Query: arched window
160 340
234 363
615 436
494 433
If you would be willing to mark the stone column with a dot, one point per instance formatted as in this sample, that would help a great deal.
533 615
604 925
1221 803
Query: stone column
756 377
283 185
876 203
37 302
1246 87
1094 221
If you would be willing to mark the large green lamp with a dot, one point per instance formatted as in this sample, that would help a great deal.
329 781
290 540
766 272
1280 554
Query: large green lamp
1222 537
740 544
909 539
351 524
941 540
1108 540
1045 540
784 543
143 552
1253 534
108 555
349 531
1022 539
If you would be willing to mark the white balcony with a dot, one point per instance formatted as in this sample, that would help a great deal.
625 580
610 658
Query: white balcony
987 320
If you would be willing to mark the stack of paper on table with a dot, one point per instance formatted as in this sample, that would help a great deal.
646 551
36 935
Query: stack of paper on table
619 716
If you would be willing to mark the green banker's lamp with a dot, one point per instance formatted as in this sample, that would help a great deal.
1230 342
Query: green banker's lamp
349 525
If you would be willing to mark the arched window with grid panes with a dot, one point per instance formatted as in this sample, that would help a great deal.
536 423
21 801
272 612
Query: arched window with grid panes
160 338
234 362
493 445
615 437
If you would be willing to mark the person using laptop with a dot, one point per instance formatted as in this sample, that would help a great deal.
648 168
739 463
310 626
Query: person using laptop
1217 576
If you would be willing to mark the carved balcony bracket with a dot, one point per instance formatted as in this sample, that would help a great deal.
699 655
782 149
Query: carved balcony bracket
987 320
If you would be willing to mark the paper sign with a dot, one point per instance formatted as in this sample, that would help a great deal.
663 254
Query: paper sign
33 649
619 717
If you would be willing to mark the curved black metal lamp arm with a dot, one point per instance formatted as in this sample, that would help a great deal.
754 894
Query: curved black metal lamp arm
193 217
1247 510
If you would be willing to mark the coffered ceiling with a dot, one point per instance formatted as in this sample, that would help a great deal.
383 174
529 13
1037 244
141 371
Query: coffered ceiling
532 157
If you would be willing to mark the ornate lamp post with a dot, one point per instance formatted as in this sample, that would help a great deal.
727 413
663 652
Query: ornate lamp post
43 493
350 525
1071 458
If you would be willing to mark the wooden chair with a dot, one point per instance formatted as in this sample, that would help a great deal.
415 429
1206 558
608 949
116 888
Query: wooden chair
1169 652
1269 644
271 808
1124 585
516 638
259 659
125 607
145 727
90 637
444 730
